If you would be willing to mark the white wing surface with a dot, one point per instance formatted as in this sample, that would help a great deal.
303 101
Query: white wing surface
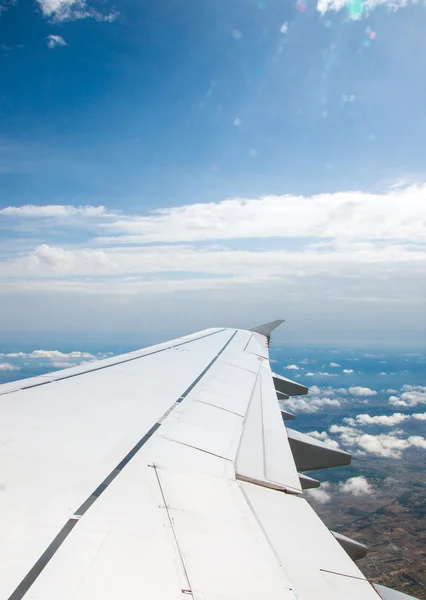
165 473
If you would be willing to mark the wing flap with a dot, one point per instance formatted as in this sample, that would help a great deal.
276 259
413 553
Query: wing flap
225 552
304 545
288 387
264 454
354 549
310 453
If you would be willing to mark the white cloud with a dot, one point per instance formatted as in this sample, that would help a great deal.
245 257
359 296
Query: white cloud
59 354
53 41
343 216
342 429
319 435
385 445
340 237
319 495
366 7
57 211
419 416
348 371
382 445
357 486
310 405
49 354
362 391
319 374
386 420
324 437
314 390
62 364
72 10
8 367
417 441
334 364
292 367
412 395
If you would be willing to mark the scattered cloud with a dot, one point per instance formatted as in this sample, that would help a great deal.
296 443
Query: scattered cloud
324 437
62 364
314 390
419 416
310 404
49 354
8 367
411 395
362 391
319 495
386 420
320 374
292 367
417 441
357 11
334 364
357 486
348 371
57 211
53 41
72 10
385 445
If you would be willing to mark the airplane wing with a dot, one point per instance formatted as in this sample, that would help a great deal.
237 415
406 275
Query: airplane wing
166 473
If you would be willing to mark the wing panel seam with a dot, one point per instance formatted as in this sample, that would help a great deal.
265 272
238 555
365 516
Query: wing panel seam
60 538
120 362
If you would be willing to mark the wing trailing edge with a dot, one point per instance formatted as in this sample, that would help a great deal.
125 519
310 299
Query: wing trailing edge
310 454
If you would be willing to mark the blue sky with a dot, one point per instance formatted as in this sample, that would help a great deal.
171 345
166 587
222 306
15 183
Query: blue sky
281 145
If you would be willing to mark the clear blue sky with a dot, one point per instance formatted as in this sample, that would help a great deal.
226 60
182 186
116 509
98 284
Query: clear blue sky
140 106
143 109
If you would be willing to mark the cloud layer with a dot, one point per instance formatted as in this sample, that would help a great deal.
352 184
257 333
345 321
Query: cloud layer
345 249
56 354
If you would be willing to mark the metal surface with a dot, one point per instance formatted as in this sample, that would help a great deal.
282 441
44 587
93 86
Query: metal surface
355 549
288 387
304 545
124 478
287 416
308 483
311 454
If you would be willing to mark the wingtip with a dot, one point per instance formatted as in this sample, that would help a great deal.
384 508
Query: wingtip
267 328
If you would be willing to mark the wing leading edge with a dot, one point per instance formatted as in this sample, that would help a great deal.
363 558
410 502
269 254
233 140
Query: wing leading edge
164 473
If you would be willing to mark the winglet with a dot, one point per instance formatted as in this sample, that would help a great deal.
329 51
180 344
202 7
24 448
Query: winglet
267 328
